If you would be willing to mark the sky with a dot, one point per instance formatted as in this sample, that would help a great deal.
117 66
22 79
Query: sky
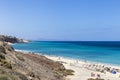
69 20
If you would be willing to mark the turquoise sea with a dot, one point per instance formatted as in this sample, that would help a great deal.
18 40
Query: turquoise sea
98 51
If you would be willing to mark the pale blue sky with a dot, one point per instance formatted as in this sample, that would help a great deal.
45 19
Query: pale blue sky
61 19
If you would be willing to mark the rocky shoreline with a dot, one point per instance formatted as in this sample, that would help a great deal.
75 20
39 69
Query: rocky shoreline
11 39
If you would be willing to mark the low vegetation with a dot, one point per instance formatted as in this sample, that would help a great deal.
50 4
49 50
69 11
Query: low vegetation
69 72
66 72
4 77
20 58
5 64
95 79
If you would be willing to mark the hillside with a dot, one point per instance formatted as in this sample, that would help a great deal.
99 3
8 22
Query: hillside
18 66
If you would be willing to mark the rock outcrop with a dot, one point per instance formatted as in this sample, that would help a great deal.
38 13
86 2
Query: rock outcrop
18 66
12 39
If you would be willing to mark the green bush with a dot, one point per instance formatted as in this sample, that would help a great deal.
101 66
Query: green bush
69 72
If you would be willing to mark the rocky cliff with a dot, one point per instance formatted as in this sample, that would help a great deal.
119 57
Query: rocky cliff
18 66
12 39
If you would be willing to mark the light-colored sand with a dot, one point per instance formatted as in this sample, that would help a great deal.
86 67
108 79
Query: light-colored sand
82 73
81 68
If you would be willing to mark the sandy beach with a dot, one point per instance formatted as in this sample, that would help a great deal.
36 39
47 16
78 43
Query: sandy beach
83 70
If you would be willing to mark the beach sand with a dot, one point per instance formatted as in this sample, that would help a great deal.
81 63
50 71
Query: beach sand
83 73
82 69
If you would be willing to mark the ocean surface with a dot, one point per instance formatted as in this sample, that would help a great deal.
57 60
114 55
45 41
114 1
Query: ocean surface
103 52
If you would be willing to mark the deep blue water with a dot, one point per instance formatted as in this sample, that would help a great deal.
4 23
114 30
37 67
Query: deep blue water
105 52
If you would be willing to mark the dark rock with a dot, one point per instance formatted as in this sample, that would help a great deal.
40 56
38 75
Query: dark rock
12 39
2 56
2 50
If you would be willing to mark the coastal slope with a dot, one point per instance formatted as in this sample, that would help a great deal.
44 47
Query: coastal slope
15 65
